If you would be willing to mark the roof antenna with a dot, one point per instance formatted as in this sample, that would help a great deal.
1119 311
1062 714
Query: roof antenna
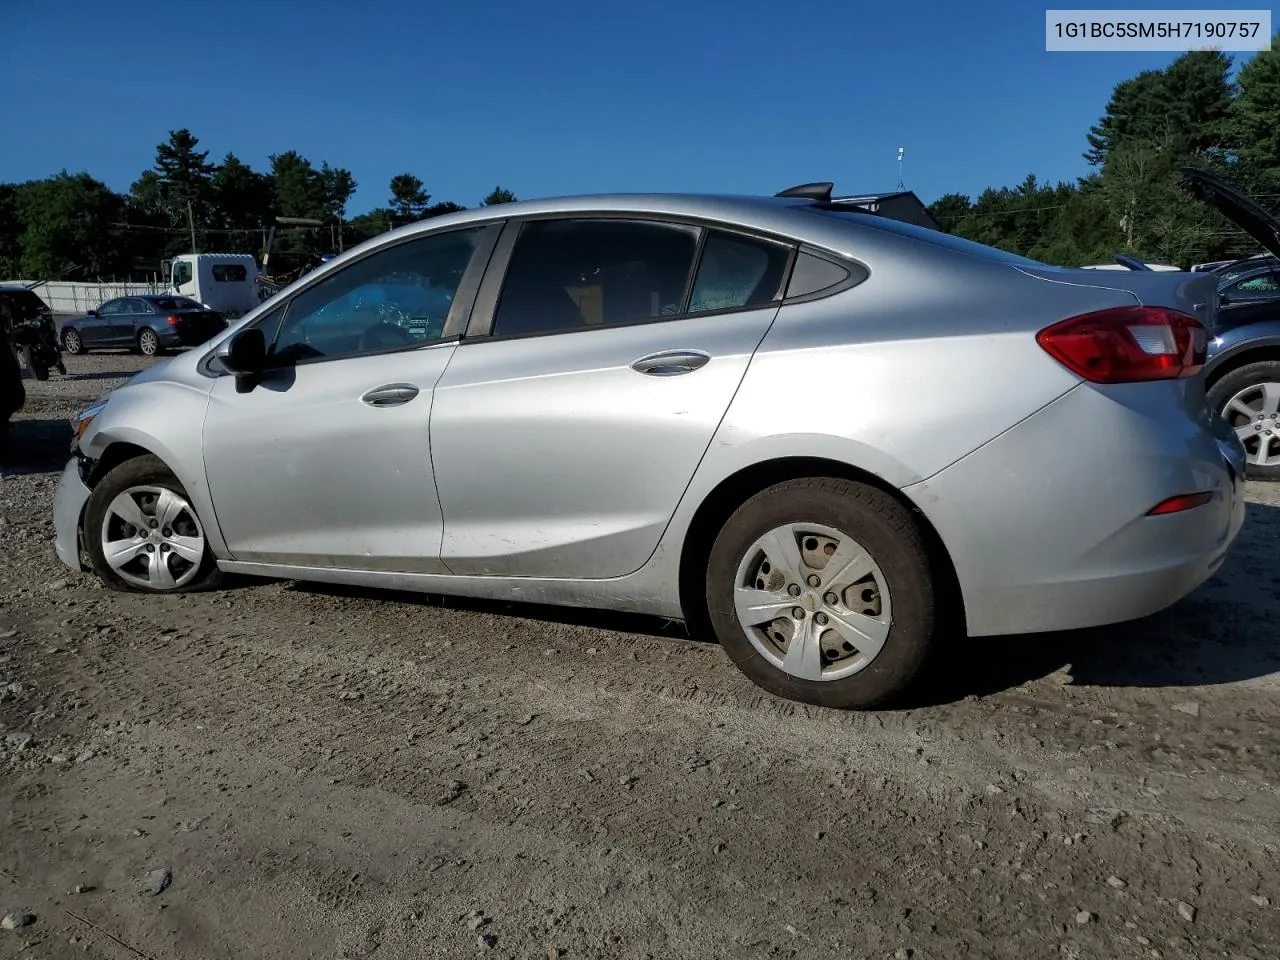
901 186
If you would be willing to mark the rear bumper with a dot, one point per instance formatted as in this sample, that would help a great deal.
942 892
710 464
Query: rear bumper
187 336
1047 524
69 499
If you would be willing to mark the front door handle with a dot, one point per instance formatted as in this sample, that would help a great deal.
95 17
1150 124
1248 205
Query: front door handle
671 363
391 395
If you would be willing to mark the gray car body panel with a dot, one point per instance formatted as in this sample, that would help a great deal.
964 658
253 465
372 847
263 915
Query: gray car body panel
547 470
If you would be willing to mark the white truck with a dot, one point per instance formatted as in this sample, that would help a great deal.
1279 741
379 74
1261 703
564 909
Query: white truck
225 282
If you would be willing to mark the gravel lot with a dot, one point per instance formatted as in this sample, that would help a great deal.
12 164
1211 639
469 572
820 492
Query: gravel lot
339 774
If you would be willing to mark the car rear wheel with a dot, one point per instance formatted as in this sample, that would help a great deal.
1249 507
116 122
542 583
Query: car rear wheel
72 343
142 533
820 591
1249 400
148 343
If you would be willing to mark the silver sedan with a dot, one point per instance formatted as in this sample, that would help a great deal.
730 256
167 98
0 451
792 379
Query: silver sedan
830 439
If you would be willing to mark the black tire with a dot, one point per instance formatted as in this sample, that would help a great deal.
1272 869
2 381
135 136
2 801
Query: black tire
149 343
1232 383
73 343
144 470
886 529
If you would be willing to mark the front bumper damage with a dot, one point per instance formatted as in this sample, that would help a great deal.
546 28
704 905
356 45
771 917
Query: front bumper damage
68 510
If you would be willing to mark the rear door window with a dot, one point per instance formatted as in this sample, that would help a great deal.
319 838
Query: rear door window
574 274
738 272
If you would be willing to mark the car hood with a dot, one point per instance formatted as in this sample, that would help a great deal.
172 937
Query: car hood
1235 206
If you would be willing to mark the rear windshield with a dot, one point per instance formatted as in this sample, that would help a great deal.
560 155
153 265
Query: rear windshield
176 303
24 302
936 237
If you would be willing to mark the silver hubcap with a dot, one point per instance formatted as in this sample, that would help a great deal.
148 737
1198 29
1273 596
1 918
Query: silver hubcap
148 342
152 538
73 343
1254 413
812 601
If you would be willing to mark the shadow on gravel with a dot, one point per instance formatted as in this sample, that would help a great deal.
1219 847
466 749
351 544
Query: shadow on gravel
1225 632
100 374
36 446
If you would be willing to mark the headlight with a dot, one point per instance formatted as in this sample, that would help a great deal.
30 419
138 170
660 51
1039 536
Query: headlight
84 419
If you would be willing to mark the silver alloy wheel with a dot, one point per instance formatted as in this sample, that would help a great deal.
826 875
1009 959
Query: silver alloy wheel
1254 414
152 538
812 601
71 342
148 342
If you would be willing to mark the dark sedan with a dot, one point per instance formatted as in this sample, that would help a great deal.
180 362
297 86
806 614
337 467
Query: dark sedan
149 324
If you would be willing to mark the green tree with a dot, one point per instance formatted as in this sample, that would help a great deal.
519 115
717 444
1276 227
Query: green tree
10 232
242 200
1135 111
337 186
184 177
497 196
408 198
443 207
297 186
1255 112
949 209
70 230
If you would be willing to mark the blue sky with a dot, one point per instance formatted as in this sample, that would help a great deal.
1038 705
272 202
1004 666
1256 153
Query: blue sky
561 96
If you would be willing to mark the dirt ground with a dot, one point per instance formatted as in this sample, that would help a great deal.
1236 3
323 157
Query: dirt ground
345 774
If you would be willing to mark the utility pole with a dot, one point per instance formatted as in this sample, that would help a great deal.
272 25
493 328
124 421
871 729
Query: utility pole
191 221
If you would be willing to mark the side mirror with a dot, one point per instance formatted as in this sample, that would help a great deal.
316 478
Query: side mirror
91 313
1223 300
244 356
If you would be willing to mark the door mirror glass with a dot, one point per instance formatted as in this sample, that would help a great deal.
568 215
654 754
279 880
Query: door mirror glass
245 356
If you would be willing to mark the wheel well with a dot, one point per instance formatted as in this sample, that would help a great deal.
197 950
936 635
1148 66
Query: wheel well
1243 359
732 492
112 457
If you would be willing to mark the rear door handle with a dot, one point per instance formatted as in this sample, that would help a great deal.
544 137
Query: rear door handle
390 395
671 363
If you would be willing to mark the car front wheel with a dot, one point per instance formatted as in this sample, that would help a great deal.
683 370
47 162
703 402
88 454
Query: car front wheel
142 533
820 591
1248 398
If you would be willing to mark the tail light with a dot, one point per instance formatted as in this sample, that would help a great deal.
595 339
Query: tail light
1128 344
174 321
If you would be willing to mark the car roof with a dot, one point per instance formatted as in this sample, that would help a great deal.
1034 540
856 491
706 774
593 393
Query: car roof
769 214
803 219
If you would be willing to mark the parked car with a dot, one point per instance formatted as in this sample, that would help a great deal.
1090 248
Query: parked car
1242 372
13 394
150 324
830 439
28 328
